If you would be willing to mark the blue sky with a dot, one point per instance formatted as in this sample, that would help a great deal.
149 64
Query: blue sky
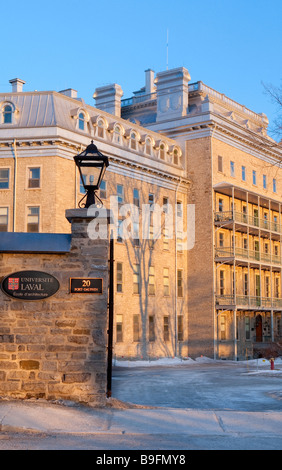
231 45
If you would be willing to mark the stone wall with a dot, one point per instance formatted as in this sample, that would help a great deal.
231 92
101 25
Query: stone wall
57 348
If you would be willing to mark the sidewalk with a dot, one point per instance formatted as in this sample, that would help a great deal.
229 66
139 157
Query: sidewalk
50 418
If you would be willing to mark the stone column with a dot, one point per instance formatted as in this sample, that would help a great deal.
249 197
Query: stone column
56 348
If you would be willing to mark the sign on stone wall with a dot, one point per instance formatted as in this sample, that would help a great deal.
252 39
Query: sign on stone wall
30 285
86 286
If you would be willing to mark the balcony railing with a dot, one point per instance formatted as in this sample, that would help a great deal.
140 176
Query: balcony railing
251 255
254 221
249 301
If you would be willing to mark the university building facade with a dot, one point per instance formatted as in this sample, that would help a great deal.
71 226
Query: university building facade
178 144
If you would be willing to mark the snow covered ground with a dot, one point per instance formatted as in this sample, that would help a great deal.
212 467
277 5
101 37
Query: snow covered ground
257 365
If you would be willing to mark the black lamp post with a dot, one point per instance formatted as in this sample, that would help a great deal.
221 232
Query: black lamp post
92 165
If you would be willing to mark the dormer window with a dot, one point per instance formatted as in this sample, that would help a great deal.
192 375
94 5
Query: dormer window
175 157
81 121
117 135
133 141
162 152
7 114
101 128
148 146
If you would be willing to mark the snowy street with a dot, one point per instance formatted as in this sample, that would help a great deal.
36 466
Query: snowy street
161 405
201 384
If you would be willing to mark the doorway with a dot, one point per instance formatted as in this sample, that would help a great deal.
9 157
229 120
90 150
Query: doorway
259 329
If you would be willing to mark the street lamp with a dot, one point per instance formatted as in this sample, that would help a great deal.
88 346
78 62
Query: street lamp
92 165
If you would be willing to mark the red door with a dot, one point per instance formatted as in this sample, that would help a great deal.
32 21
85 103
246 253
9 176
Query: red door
259 329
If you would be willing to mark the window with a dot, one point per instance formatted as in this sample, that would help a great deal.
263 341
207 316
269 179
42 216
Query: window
277 287
33 219
4 178
162 152
151 328
119 329
3 219
81 121
220 205
220 164
243 173
136 328
221 239
175 157
180 328
148 146
245 218
165 204
179 207
247 328
101 128
223 328
151 199
165 239
119 277
166 281
133 141
232 169
136 197
246 284
103 189
221 283
245 243
135 235
267 286
254 177
120 231
264 182
151 231
152 287
136 279
166 329
274 185
120 193
7 114
33 178
117 135
179 283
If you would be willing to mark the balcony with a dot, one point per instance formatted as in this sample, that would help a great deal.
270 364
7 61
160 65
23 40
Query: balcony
241 218
248 255
249 302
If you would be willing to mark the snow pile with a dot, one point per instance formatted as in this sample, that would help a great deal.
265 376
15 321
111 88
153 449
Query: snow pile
163 361
176 361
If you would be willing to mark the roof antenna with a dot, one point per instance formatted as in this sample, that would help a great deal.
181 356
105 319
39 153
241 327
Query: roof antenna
167 49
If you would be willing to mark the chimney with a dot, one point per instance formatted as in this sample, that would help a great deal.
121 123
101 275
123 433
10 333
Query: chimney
172 94
17 85
69 92
150 86
108 99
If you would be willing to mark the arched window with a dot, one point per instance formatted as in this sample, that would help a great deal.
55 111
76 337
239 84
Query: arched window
101 128
7 114
133 141
175 157
117 134
162 152
148 146
81 121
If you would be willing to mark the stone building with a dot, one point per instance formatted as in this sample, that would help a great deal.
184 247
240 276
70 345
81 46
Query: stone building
173 142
